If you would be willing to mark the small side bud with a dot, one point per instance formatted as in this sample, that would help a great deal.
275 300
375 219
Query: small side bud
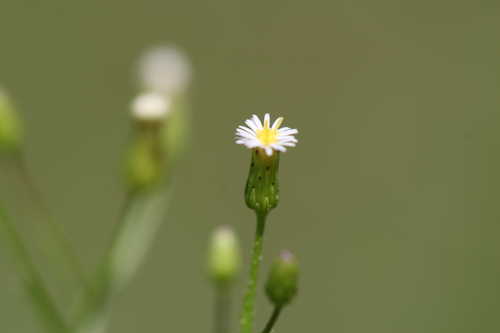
282 283
224 256
10 126
262 188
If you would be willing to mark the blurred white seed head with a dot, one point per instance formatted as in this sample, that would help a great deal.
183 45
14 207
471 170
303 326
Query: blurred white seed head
150 107
164 69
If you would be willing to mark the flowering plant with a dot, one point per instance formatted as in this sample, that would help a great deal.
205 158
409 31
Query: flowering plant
159 116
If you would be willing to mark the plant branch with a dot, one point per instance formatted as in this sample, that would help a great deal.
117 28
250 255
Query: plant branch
57 234
40 297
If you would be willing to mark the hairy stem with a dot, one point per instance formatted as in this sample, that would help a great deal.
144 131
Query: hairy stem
248 314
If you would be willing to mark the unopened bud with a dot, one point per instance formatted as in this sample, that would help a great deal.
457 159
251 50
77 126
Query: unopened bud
282 283
262 188
146 165
224 256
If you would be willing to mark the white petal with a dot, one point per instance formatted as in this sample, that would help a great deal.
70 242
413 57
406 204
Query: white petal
250 123
278 147
288 140
245 142
246 136
246 129
252 144
288 144
288 131
277 123
267 120
269 151
239 130
285 137
257 122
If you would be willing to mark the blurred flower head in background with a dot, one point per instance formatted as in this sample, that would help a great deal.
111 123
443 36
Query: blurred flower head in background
164 69
150 106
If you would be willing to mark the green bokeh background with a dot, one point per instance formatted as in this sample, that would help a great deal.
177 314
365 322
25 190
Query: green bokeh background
390 200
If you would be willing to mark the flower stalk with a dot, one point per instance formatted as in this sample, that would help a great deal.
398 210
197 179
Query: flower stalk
272 320
222 309
248 315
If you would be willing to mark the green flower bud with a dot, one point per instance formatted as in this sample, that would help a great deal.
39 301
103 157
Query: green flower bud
224 256
262 188
162 126
10 127
146 165
281 285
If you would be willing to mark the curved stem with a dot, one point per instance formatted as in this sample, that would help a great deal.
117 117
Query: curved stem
274 318
222 309
40 297
70 257
248 314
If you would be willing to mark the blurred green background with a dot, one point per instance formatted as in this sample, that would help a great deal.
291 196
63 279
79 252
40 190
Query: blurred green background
390 199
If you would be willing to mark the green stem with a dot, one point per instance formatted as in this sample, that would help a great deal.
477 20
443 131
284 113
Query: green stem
93 315
274 318
248 314
141 217
32 280
222 309
65 249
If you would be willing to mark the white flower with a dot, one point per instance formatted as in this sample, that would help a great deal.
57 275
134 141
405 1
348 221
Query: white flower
264 136
164 69
150 107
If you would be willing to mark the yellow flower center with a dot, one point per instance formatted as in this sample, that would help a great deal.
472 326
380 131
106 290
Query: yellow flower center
268 135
